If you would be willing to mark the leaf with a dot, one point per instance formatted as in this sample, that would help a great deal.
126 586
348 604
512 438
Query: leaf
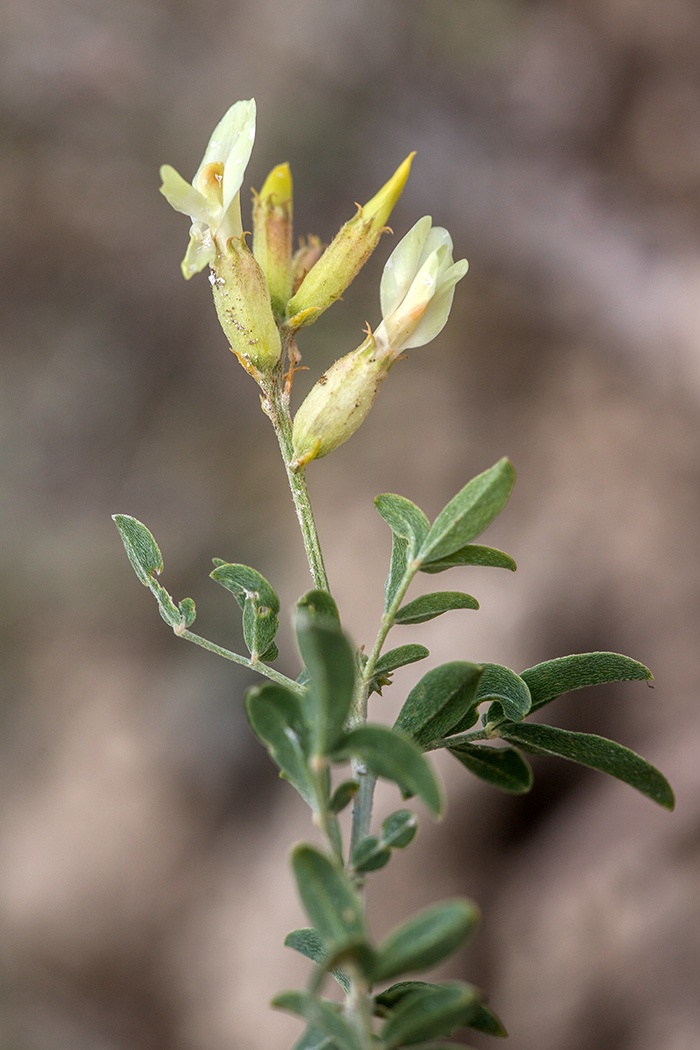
434 1011
369 855
428 606
472 554
343 795
259 603
397 569
307 942
593 751
329 899
469 513
501 766
314 1039
188 612
389 754
404 654
321 1014
426 939
399 829
320 607
276 717
405 520
485 1020
441 699
501 684
141 548
395 658
549 680
331 665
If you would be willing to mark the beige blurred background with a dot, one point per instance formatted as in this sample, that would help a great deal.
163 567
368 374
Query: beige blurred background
144 892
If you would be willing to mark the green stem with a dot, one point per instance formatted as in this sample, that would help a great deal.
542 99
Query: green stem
276 406
236 658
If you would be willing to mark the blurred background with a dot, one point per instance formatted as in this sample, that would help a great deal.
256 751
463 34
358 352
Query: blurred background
144 890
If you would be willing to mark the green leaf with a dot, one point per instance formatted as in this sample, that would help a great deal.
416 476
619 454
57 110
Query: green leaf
428 606
259 603
472 554
405 520
593 751
404 654
322 1015
439 701
501 766
314 1039
307 942
469 513
369 855
549 680
485 1020
397 569
501 684
434 1011
399 829
277 719
320 607
426 939
331 665
391 997
387 664
343 795
141 548
389 754
329 899
188 612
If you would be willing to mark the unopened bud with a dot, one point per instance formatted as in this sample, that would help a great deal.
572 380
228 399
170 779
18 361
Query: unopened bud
272 235
347 253
242 303
338 403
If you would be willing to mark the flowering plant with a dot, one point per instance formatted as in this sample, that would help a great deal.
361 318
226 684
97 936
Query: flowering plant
317 722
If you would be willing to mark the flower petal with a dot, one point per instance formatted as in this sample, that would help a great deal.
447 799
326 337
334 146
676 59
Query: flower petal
200 251
183 197
435 317
231 144
402 265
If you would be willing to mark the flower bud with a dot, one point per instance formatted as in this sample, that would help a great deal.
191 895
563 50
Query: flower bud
417 288
243 306
272 235
338 403
347 253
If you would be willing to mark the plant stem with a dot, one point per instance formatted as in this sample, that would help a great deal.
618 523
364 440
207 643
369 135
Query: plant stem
276 406
236 658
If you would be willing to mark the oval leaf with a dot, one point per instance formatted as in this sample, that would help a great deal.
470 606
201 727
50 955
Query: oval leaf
440 700
389 754
549 680
369 855
330 662
435 1011
428 606
501 684
426 939
399 829
405 520
259 603
276 717
595 752
320 607
329 900
472 554
501 766
469 513
141 548
400 657
307 942
322 1015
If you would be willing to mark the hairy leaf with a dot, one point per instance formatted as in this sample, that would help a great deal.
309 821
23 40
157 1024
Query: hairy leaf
501 766
404 519
428 606
390 754
472 554
259 603
399 829
329 899
427 1013
469 513
331 665
307 942
276 717
322 1015
426 939
549 680
502 684
593 751
440 700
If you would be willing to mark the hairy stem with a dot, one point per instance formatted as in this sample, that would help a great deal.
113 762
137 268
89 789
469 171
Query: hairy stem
236 658
276 406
